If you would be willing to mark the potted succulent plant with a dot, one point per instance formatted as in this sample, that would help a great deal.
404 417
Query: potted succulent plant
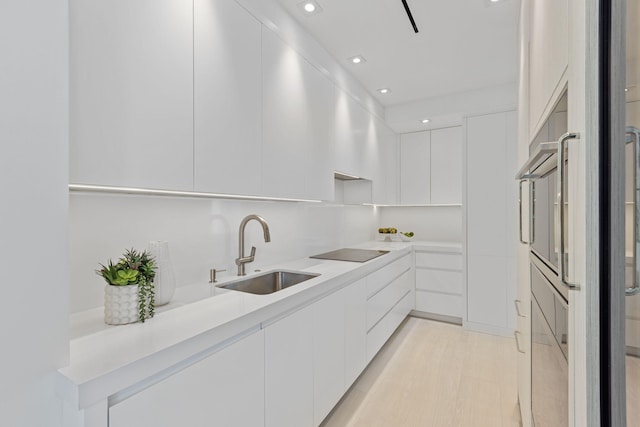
129 293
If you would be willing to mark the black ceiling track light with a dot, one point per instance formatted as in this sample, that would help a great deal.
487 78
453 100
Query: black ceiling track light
410 15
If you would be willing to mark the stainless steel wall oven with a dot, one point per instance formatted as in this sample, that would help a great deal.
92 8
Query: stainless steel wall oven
545 173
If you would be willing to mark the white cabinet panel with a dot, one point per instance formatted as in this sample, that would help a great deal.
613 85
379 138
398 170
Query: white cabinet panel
320 135
284 119
297 124
487 290
383 276
487 205
351 136
289 371
355 330
384 174
439 260
446 166
329 353
380 304
439 280
443 304
131 95
227 98
415 174
548 53
491 221
385 328
226 389
34 131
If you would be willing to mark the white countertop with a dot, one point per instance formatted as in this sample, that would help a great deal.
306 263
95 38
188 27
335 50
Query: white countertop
107 359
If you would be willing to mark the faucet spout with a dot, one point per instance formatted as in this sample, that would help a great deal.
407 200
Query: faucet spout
242 259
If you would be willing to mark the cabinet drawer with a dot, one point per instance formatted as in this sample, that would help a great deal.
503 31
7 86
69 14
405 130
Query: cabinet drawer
439 260
377 336
381 278
439 280
380 304
446 305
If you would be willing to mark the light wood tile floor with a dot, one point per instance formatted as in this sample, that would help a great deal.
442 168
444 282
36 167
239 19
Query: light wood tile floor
434 374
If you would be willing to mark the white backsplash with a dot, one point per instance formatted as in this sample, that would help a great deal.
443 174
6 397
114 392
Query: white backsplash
202 234
433 223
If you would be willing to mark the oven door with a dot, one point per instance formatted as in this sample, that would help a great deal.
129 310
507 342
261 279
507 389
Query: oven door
549 367
544 217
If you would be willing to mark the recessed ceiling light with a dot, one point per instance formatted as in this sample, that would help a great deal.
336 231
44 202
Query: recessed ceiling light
358 59
425 121
310 7
384 90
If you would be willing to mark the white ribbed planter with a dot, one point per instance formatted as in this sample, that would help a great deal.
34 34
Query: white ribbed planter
120 304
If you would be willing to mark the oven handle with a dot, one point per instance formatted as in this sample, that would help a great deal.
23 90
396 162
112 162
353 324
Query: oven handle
562 273
520 213
516 334
633 136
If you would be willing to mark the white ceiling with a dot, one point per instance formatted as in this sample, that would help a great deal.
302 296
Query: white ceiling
462 44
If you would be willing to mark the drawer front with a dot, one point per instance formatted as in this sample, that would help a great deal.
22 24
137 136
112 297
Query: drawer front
439 260
382 302
381 278
439 281
446 305
379 335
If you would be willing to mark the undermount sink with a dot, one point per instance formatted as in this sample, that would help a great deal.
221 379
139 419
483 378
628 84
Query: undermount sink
269 283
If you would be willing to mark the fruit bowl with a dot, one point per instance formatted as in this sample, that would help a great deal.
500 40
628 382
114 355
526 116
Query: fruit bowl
404 236
387 233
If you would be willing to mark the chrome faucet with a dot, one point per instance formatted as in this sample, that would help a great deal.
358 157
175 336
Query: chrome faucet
242 260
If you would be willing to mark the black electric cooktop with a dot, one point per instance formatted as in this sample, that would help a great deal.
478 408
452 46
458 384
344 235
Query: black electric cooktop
352 255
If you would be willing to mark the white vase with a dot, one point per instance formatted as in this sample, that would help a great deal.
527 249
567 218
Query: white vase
120 304
165 281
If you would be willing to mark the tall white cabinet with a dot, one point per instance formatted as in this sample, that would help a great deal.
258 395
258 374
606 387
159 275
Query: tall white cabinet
131 94
491 216
33 176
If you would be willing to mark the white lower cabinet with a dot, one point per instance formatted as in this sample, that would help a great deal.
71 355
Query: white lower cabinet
388 302
329 353
225 389
289 371
439 283
355 326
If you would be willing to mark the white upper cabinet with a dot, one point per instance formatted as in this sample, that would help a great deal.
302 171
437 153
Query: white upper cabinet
446 166
227 98
352 143
385 172
431 167
415 173
548 56
297 120
131 93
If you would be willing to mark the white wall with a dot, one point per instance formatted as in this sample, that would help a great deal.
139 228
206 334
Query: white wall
202 234
438 224
33 211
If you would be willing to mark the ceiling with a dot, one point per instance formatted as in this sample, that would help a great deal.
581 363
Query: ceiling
461 45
